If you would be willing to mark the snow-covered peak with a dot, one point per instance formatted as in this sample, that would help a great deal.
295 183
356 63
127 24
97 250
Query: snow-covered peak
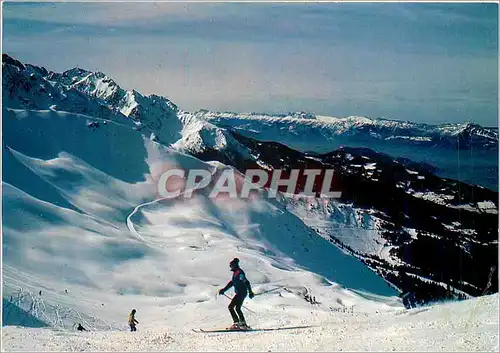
155 113
68 77
201 137
128 103
76 72
96 84
85 92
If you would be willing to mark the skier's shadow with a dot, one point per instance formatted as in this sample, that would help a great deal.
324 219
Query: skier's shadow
260 329
418 311
283 328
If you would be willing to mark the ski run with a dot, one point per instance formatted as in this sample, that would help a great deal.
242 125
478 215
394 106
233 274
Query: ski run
471 325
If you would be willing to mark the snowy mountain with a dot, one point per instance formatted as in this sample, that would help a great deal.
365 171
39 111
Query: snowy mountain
466 152
393 213
290 129
86 237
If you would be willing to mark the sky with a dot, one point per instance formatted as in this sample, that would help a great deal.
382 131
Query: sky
427 62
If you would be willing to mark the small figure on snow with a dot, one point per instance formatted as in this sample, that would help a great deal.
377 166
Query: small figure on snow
241 288
407 291
409 300
81 328
132 321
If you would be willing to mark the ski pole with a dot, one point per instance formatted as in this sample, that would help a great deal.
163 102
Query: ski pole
269 290
227 296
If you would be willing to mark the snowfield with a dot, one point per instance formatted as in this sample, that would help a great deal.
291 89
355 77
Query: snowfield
471 325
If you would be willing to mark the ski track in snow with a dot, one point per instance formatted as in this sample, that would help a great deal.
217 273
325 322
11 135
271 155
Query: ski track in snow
130 224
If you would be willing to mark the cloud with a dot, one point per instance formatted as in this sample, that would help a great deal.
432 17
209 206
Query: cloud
123 13
109 13
446 14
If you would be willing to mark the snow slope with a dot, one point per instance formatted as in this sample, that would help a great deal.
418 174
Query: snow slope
465 326
82 226
357 228
91 241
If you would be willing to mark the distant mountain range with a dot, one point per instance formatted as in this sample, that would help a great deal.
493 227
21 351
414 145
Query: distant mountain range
329 130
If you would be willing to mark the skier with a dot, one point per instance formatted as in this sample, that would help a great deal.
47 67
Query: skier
241 288
407 291
409 300
81 328
132 321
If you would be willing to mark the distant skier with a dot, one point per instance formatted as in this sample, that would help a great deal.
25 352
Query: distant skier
407 291
241 288
409 300
132 321
81 328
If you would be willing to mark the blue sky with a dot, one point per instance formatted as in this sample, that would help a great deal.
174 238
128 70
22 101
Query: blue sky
427 62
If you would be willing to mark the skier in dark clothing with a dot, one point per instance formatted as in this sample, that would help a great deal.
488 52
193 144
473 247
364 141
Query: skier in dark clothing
409 300
407 291
81 328
241 288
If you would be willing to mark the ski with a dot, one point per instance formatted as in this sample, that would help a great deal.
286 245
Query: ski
222 330
199 330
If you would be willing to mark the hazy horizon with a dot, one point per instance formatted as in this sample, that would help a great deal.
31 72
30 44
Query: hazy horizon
428 63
